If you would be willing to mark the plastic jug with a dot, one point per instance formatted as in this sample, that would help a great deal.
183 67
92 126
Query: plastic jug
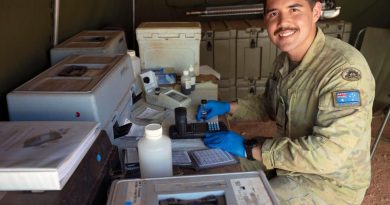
155 153
192 76
136 64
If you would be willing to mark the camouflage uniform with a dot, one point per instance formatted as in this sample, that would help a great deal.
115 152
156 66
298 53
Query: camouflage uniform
322 147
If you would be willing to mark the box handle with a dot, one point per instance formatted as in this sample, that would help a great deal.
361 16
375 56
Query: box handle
168 35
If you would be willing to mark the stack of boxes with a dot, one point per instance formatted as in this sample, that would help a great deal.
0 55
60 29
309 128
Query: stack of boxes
336 28
255 54
224 54
242 53
90 80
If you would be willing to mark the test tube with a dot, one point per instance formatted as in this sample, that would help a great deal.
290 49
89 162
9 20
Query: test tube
203 109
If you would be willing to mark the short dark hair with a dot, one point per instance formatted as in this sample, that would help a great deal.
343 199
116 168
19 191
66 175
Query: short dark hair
311 2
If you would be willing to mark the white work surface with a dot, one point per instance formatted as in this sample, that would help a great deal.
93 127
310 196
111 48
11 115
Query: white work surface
208 91
205 90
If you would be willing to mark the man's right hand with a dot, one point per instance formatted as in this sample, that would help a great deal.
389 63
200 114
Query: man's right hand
211 109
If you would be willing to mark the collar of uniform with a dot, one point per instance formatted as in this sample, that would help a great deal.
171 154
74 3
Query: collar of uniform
311 54
284 69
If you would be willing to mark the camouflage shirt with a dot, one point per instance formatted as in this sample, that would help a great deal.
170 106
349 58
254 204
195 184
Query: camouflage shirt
323 111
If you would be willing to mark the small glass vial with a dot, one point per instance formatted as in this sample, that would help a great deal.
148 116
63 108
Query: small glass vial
155 153
185 83
203 110
192 76
157 91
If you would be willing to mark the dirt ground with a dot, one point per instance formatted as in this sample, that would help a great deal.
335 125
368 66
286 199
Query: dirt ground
379 190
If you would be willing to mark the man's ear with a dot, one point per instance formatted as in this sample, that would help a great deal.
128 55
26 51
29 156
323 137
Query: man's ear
317 11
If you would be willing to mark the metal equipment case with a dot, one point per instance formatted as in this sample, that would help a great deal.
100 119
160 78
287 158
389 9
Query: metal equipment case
42 155
88 184
225 59
79 88
90 42
206 45
242 53
243 188
255 55
337 28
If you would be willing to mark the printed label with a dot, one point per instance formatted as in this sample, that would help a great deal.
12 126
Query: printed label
250 191
133 194
188 85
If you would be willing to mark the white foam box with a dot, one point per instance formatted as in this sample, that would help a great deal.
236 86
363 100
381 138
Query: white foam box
90 42
79 88
42 155
169 45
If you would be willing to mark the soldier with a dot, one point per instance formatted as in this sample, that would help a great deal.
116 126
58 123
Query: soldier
320 95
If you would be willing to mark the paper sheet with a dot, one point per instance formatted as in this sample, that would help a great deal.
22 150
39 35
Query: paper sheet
149 113
136 131
181 158
207 70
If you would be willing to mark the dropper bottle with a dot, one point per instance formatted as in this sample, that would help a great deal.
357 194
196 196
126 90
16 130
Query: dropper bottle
192 76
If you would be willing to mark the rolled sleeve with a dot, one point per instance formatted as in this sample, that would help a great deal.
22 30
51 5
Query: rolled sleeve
267 155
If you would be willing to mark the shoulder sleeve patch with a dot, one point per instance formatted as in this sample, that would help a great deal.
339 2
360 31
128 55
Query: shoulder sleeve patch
351 74
346 98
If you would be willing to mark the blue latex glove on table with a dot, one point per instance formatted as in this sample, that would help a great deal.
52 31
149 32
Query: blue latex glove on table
228 141
212 108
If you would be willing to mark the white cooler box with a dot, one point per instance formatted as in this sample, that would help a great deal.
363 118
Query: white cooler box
169 45
90 42
79 88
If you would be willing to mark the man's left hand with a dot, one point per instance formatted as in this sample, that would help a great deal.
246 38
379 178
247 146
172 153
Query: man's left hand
228 141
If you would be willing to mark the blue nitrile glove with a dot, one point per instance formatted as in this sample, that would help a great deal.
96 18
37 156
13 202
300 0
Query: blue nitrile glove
228 141
212 108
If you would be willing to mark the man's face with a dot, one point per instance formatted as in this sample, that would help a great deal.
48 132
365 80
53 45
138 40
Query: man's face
291 24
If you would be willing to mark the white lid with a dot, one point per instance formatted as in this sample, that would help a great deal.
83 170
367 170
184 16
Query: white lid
173 26
153 131
185 72
191 68
96 69
131 53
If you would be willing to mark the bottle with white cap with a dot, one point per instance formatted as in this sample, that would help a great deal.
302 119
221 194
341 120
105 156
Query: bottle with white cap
186 83
136 64
192 77
155 153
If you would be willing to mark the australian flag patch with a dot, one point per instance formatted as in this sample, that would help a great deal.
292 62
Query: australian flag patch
348 98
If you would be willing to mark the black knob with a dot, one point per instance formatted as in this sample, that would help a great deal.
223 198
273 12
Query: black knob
253 43
157 91
146 80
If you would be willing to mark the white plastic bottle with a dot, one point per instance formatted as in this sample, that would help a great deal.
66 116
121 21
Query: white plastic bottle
192 76
155 153
136 64
186 83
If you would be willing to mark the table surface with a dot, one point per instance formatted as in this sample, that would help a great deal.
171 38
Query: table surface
207 91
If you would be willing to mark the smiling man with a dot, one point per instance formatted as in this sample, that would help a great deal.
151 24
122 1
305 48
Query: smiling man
320 95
